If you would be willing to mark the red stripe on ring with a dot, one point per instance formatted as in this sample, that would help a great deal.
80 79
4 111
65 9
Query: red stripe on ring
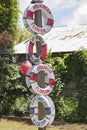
50 22
30 48
33 76
29 14
44 52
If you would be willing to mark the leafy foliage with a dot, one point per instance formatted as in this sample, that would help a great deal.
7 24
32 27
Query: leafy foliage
8 16
6 40
58 67
22 35
21 105
76 64
10 84
8 23
73 109
68 109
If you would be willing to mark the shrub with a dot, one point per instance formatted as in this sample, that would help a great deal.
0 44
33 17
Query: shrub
67 109
10 84
21 106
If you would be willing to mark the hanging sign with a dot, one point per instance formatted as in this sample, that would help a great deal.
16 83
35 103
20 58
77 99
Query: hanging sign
29 19
49 79
33 58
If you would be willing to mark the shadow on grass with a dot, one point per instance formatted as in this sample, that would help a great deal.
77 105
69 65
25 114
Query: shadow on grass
26 120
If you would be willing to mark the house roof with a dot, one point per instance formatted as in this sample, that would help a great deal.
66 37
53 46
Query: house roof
61 39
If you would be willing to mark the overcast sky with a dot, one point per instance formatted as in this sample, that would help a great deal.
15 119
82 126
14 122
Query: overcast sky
65 12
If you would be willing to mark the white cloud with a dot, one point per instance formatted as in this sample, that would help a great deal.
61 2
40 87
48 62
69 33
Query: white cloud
55 4
67 3
79 16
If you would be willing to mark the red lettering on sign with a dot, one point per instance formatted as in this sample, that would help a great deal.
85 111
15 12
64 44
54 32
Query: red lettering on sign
38 6
42 91
43 67
40 30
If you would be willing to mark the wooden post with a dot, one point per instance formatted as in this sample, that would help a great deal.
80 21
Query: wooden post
41 75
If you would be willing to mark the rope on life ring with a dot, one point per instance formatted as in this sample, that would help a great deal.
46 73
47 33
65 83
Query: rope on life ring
34 110
49 79
29 18
33 58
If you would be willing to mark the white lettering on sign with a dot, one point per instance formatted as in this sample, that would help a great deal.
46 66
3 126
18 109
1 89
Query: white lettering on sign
40 30
43 67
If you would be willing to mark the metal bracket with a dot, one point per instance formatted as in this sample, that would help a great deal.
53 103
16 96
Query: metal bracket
36 1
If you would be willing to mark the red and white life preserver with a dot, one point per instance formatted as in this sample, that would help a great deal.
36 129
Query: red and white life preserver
33 58
26 22
48 109
29 19
49 79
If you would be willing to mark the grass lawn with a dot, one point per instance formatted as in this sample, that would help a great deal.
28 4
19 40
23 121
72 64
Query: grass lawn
6 124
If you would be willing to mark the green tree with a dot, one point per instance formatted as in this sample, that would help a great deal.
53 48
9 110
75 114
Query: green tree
76 66
8 16
73 108
22 35
8 22
10 82
11 86
6 40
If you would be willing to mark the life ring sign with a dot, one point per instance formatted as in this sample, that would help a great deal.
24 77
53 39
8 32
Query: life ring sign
49 113
33 58
29 19
32 83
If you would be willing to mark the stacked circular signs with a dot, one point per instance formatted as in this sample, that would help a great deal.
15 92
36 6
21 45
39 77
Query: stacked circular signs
32 73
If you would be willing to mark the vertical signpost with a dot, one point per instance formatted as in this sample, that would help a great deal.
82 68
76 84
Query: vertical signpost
40 78
38 21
